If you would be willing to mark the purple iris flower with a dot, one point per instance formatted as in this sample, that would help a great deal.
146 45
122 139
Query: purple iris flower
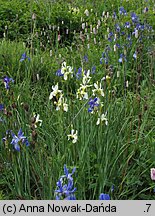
79 73
118 45
140 27
114 15
123 33
101 59
6 81
148 27
85 58
58 73
65 186
104 196
92 104
104 57
71 197
67 174
122 57
107 49
93 70
122 11
19 138
105 60
1 107
110 35
110 39
134 17
127 25
117 27
24 56
129 37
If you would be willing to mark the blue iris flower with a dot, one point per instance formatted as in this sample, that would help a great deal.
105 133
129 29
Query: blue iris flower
134 17
65 186
58 73
85 58
122 11
118 45
104 196
71 197
122 33
24 56
114 15
129 37
92 104
140 26
117 27
17 139
93 69
122 57
1 107
127 25
110 35
6 81
67 174
129 40
148 27
104 57
79 73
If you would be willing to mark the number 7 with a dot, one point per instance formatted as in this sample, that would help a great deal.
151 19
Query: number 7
149 205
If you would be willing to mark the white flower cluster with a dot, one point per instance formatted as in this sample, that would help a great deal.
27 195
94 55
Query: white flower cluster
38 121
66 70
97 91
58 97
73 136
102 118
82 91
